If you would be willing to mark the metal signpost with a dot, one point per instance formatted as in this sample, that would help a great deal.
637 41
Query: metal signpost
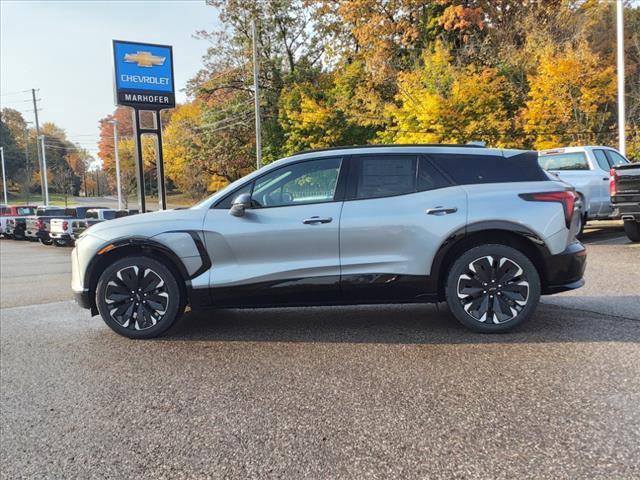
144 82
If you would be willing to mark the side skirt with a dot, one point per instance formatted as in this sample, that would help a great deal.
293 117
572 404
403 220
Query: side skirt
317 291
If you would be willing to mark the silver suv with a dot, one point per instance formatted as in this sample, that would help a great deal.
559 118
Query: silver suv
487 231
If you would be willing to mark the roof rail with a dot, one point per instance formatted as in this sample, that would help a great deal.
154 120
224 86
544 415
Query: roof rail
387 145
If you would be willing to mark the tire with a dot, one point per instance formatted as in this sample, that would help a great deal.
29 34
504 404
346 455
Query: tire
632 229
515 286
583 221
60 243
18 235
47 241
120 280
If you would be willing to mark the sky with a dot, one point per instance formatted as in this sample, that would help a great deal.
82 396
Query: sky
63 48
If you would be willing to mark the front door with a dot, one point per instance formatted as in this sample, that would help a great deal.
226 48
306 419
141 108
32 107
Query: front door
285 249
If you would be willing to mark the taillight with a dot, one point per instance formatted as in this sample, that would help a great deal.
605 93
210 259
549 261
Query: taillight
613 177
65 225
566 197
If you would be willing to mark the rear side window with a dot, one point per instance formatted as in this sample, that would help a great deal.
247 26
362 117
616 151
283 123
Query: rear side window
385 175
615 158
92 214
466 169
601 158
109 215
565 161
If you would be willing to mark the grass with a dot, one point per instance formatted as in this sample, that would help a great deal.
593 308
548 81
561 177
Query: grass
173 200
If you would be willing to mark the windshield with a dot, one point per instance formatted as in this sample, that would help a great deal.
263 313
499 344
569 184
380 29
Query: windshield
564 161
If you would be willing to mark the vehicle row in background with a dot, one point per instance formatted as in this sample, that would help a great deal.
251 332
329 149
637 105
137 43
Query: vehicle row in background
53 225
587 169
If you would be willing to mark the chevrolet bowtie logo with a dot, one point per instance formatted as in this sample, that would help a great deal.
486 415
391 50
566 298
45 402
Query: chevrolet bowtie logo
144 59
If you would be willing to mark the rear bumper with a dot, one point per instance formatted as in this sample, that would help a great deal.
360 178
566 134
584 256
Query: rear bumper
627 211
565 270
61 236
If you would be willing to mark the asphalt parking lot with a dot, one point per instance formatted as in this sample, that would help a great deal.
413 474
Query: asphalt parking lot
341 392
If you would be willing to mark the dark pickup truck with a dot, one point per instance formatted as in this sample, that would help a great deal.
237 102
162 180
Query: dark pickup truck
624 189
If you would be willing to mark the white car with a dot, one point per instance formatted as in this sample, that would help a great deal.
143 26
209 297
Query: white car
586 168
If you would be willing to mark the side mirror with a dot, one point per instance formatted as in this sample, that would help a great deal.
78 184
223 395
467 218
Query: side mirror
241 203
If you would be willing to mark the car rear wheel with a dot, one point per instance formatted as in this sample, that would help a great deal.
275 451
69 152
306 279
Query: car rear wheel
492 288
139 297
60 243
45 241
632 230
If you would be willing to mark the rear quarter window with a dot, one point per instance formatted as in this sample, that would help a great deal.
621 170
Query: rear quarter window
466 169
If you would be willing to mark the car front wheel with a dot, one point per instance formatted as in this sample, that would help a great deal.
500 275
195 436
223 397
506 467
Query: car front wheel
139 297
632 230
492 288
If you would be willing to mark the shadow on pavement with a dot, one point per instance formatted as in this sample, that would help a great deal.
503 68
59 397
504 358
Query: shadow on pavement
400 324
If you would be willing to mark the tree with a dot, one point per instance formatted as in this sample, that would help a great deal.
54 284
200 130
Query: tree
570 100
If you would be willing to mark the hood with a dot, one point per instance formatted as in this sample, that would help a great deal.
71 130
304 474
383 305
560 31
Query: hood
148 224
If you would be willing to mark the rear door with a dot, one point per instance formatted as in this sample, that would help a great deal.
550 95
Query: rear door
398 209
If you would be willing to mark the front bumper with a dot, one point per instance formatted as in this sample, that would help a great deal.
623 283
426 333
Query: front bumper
565 270
83 298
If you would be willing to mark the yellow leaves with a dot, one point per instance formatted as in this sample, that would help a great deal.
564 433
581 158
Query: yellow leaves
569 97
444 104
217 183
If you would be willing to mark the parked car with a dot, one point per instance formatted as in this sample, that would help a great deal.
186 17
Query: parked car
37 226
486 230
586 168
62 229
8 212
624 189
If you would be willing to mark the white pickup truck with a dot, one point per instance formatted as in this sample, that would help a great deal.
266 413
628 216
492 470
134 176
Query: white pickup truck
586 168
65 231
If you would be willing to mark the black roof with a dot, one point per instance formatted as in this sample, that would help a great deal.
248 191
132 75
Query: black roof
388 145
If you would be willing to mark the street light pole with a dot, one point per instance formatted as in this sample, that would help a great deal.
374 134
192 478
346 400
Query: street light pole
115 143
44 172
620 67
256 90
4 177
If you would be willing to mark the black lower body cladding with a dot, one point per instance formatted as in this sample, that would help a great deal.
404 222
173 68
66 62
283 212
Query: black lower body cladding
565 270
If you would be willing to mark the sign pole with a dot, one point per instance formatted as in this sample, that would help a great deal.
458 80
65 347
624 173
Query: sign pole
4 177
139 165
162 192
117 156
256 92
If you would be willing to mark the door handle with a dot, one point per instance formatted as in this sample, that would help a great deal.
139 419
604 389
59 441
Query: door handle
441 211
316 220
605 178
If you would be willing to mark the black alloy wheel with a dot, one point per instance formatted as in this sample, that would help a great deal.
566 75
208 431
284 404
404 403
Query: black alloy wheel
492 288
139 297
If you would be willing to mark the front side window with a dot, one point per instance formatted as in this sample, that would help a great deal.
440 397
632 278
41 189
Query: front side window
91 214
385 175
616 159
564 161
109 215
312 181
601 158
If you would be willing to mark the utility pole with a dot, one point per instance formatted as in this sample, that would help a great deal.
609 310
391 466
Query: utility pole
42 171
27 163
256 90
4 177
620 67
114 122
45 184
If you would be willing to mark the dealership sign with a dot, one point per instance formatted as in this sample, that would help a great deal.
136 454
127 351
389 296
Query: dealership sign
143 75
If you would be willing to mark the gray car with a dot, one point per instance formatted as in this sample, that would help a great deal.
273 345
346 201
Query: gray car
488 231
